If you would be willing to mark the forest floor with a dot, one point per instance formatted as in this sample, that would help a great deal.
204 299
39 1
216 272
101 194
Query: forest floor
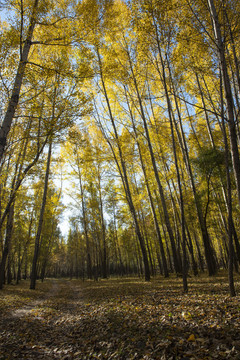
123 319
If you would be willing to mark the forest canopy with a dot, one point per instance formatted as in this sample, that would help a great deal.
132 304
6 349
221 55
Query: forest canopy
135 104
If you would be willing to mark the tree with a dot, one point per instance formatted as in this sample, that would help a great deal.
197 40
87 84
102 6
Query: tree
40 222
24 53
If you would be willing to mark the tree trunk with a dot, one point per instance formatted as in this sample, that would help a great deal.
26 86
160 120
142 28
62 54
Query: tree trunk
85 225
229 203
7 245
14 99
104 258
40 222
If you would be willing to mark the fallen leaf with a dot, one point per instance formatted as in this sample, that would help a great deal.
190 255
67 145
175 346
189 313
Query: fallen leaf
191 338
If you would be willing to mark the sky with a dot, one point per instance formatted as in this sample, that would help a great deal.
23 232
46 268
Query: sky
4 14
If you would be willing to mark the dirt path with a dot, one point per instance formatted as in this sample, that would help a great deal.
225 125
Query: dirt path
33 307
41 328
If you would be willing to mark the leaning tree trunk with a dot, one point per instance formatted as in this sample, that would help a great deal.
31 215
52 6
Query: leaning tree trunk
14 99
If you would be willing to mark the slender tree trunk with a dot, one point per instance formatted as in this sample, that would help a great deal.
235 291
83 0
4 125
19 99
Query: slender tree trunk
19 275
104 258
7 245
190 247
48 251
237 245
40 222
24 255
10 264
85 224
184 240
200 257
171 265
119 254
229 202
147 244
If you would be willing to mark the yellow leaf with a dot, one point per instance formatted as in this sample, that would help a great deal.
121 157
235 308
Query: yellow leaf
191 338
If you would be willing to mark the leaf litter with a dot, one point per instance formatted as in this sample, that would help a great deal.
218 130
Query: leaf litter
120 319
